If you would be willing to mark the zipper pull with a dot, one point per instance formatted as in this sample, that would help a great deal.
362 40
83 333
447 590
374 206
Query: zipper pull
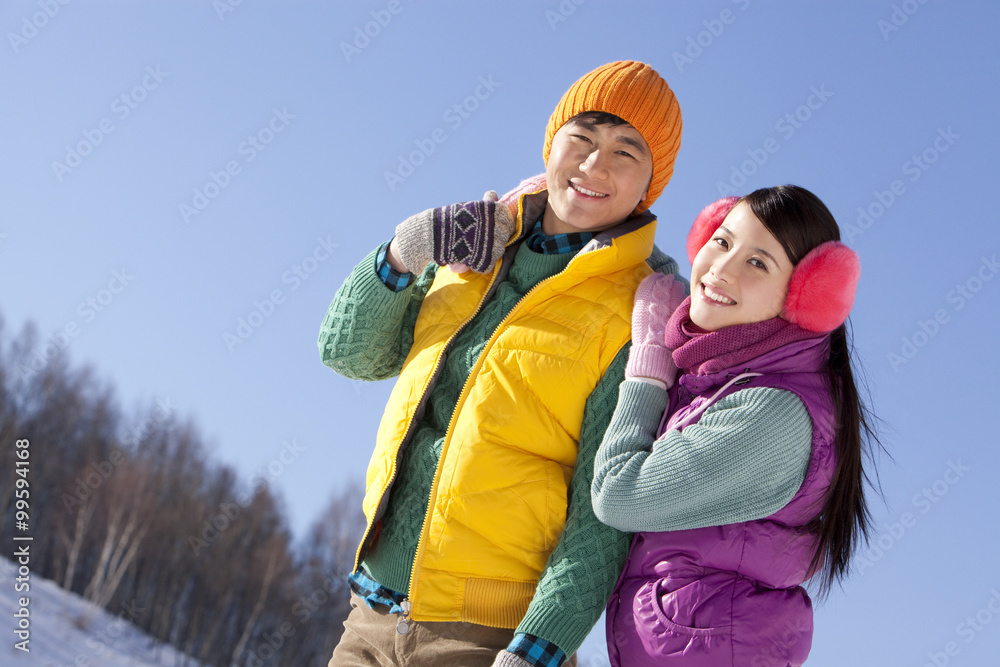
745 377
404 623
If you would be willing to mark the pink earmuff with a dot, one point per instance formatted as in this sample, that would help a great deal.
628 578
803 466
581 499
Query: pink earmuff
821 292
823 284
706 223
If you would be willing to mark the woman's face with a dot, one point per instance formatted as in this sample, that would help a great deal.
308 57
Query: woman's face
741 275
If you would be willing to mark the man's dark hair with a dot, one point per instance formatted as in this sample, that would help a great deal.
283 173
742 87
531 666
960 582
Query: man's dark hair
598 118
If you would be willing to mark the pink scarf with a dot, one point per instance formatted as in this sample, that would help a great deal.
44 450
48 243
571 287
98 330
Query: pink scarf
702 352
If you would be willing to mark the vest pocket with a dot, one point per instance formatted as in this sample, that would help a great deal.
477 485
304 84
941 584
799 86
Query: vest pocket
678 619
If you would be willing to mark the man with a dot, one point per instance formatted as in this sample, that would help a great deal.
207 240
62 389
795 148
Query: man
482 547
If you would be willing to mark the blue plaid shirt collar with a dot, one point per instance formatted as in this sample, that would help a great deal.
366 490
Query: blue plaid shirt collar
572 242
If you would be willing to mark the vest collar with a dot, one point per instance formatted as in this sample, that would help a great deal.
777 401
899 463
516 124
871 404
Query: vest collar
800 356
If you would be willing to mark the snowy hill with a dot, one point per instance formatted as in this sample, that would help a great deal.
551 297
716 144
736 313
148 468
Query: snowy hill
68 631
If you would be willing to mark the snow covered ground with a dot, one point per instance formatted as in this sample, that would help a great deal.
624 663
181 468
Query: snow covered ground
67 631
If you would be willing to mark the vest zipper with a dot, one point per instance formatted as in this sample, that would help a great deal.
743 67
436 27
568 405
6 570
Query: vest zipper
506 260
693 416
462 396
437 473
397 455
403 626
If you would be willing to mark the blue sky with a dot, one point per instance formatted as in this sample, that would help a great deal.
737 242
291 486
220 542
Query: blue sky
184 185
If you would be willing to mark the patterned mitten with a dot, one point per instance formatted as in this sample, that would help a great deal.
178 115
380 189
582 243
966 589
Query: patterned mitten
471 233
655 301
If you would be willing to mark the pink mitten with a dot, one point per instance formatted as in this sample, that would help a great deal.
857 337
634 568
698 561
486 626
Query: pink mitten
528 185
655 301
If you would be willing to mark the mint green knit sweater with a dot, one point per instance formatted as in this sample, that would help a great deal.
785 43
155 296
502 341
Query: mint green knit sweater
744 460
367 334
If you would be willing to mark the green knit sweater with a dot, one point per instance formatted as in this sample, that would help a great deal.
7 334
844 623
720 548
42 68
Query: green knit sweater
367 334
743 460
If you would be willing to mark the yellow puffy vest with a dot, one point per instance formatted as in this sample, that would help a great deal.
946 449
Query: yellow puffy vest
499 498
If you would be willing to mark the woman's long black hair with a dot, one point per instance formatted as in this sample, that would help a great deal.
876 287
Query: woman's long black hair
800 222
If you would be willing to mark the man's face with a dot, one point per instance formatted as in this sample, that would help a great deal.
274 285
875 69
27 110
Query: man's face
596 176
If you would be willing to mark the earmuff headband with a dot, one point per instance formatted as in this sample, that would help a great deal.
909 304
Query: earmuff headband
823 285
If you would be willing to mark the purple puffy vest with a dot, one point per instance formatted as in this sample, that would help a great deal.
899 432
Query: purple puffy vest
730 595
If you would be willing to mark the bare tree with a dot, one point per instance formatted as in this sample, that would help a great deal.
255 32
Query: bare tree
325 560
126 501
275 552
141 518
74 542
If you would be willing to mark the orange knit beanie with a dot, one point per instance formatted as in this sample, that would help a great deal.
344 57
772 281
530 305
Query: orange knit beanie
634 92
